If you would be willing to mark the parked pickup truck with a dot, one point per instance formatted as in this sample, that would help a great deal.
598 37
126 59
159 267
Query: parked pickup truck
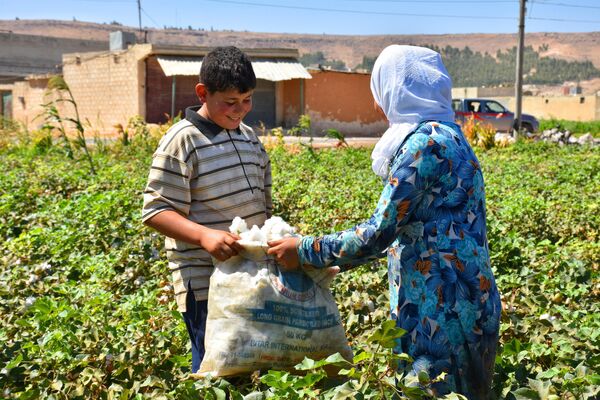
493 113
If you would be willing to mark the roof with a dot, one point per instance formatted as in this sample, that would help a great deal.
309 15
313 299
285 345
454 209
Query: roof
271 69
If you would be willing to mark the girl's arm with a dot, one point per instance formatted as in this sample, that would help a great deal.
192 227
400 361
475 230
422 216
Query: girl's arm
414 172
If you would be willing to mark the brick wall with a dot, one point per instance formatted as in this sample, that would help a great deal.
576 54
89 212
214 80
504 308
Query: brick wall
290 107
30 54
106 87
342 101
27 98
573 108
159 92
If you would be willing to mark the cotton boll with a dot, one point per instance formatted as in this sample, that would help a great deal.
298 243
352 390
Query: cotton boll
281 229
238 225
254 235
274 228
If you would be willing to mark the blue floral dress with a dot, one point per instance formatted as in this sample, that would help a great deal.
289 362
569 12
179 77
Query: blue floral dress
430 219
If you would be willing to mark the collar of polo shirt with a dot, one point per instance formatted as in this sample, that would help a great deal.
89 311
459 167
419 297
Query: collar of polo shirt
206 126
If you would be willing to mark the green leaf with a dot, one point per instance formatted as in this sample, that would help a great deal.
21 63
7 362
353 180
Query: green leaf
219 394
14 362
56 385
344 392
387 334
550 373
153 381
542 388
308 380
334 359
594 379
423 377
526 394
276 379
361 357
254 396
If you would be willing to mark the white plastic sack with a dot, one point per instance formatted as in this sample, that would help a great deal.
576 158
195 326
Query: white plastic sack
260 316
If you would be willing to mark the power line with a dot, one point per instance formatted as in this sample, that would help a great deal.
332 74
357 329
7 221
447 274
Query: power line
544 3
584 21
550 3
106 1
245 3
434 1
156 24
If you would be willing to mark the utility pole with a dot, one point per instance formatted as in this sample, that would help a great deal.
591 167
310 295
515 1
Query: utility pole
519 80
139 3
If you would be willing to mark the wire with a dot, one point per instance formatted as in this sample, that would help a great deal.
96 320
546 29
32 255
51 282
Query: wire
435 1
583 21
550 3
106 1
245 3
529 10
156 24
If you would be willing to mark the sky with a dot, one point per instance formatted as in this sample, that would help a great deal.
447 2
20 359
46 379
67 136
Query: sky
344 17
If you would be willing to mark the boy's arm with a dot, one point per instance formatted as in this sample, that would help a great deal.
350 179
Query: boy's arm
220 244
167 200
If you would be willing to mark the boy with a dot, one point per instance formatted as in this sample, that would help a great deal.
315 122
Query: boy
208 169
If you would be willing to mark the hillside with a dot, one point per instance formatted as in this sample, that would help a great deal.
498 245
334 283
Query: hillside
349 49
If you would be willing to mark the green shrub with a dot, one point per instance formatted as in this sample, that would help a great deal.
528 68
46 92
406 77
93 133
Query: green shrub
86 309
576 127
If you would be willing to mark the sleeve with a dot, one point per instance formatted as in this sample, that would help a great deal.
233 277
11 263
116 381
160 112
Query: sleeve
413 173
168 186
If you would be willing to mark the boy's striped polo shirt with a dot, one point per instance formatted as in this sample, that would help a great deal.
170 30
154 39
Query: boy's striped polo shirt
209 175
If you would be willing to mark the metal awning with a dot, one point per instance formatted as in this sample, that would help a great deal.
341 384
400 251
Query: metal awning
268 69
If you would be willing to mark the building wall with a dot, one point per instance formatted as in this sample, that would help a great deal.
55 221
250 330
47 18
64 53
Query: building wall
106 87
573 108
290 105
27 99
23 55
342 101
159 89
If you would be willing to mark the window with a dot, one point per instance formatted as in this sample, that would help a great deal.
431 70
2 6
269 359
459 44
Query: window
494 107
456 105
473 106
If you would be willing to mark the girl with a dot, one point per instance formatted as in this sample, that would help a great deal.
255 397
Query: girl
430 219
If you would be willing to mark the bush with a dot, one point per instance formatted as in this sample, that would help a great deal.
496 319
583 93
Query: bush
575 127
479 134
87 310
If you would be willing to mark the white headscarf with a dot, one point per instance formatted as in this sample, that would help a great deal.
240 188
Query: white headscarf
411 85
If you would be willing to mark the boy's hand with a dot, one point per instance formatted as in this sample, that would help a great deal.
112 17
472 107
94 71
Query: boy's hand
220 244
285 252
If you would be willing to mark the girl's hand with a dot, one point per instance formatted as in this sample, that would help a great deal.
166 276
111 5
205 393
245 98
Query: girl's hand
285 252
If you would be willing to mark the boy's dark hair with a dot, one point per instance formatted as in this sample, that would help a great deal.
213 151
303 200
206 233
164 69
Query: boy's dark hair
227 68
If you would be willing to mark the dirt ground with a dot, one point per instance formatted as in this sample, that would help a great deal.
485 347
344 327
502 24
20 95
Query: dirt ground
320 143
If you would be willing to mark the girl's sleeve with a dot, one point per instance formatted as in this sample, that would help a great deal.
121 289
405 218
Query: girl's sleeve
413 172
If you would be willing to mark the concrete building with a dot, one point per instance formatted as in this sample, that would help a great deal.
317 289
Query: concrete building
157 82
343 101
24 55
572 108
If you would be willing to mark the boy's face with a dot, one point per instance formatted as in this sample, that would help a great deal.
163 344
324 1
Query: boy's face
227 108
